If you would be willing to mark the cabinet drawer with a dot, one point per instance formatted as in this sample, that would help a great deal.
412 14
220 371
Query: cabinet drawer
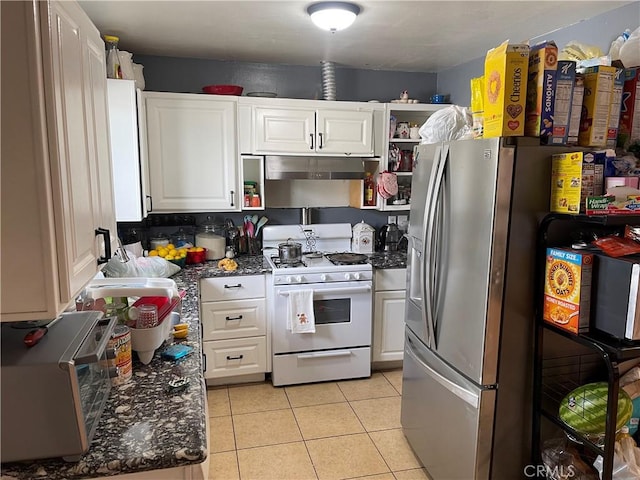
390 279
232 288
233 319
239 356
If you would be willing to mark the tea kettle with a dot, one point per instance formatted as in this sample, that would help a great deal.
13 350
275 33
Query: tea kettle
388 237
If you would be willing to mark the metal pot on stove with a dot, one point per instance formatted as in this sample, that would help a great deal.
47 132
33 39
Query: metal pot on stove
290 252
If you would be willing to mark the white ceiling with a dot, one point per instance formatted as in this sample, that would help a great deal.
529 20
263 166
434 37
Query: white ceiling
412 36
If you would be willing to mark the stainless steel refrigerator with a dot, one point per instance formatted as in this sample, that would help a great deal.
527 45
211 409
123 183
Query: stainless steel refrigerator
468 361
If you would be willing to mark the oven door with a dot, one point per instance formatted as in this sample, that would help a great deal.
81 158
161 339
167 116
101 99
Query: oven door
342 317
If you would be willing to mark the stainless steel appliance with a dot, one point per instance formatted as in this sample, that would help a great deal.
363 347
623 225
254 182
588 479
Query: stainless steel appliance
466 400
54 392
342 295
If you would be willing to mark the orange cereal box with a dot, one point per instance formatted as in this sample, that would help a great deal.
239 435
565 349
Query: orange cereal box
505 90
567 289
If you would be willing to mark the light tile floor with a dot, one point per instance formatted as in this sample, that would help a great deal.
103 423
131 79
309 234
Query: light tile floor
323 431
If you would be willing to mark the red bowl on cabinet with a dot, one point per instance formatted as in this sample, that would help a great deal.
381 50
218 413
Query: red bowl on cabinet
223 89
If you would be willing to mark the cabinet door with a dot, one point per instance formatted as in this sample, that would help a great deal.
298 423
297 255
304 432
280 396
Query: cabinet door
388 326
344 132
98 134
72 177
192 152
125 159
284 130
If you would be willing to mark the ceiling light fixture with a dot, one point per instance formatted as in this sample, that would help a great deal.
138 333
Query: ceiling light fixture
333 16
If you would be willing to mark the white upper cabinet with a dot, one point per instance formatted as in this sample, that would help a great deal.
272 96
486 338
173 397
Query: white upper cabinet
57 193
129 189
303 127
192 153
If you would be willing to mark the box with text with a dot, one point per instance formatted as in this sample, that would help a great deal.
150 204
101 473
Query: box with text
567 289
505 90
541 90
594 119
565 82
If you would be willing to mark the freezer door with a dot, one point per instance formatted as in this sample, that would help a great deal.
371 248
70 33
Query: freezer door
447 420
467 249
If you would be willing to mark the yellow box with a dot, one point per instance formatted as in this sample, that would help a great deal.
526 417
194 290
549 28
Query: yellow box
567 289
566 182
596 105
505 91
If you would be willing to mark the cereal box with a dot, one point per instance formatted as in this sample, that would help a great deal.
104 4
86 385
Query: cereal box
614 112
505 90
566 182
629 129
565 81
594 120
567 289
576 110
541 90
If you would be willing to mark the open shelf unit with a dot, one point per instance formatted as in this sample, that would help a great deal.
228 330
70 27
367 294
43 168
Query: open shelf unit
564 361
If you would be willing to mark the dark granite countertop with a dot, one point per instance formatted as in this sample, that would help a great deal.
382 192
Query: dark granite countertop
143 427
382 260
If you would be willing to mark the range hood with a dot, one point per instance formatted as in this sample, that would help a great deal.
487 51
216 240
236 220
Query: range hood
314 168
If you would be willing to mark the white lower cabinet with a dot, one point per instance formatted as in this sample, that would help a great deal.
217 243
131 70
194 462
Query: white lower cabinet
388 317
234 330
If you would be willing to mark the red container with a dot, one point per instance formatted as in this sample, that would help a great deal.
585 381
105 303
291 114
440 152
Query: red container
196 257
223 89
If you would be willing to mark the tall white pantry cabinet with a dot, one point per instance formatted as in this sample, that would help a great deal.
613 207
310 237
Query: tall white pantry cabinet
57 201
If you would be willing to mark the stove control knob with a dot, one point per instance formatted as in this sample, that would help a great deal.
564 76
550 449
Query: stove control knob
323 277
347 276
299 279
288 279
356 276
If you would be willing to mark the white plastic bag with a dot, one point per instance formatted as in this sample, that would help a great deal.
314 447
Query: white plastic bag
625 466
450 123
630 50
151 267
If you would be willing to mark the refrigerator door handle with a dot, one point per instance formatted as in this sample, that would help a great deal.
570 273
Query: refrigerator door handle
467 396
425 277
431 244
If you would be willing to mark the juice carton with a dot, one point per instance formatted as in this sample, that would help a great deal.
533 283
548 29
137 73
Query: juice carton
505 76
541 89
594 120
576 110
565 81
616 104
629 129
567 289
566 182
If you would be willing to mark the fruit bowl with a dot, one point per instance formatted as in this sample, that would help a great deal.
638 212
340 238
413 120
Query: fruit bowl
223 89
181 262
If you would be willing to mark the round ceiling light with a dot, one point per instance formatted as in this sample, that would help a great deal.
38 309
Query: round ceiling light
333 16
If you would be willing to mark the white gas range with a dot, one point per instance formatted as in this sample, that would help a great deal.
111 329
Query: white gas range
342 304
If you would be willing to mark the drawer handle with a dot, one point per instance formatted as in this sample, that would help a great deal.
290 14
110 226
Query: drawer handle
238 285
239 317
237 357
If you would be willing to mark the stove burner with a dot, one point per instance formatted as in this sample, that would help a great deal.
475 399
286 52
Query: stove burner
313 255
347 258
276 261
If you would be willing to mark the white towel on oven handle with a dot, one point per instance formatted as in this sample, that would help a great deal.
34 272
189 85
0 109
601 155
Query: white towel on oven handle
300 317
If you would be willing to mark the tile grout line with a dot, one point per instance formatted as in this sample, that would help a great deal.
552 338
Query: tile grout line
306 447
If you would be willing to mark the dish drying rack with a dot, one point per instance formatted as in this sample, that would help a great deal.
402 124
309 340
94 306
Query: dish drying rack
162 292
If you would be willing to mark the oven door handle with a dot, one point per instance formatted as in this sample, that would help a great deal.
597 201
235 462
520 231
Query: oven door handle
94 356
333 290
332 353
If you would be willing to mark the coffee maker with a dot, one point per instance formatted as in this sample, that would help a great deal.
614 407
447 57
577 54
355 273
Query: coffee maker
388 237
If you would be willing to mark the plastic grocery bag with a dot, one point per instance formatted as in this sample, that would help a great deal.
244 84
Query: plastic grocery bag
626 461
151 267
450 123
